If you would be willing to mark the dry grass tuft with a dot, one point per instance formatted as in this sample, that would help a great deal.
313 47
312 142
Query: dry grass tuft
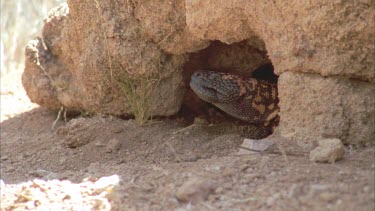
138 94
137 85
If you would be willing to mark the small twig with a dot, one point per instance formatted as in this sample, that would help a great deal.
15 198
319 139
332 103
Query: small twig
153 122
58 117
127 3
134 178
44 71
208 206
65 119
173 150
183 129
165 38
282 152
251 150
243 200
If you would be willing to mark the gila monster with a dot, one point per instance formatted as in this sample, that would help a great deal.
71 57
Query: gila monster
254 101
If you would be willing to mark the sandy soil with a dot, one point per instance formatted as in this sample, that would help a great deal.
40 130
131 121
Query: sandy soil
163 166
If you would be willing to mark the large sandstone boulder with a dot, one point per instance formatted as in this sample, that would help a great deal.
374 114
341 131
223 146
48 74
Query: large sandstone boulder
325 37
315 107
104 62
115 57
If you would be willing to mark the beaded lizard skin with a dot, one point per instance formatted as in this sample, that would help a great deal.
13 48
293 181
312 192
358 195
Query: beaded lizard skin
254 101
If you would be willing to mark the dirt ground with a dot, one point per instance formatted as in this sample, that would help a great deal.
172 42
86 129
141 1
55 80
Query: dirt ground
164 165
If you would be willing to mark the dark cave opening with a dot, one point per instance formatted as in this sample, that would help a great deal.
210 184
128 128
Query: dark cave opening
238 58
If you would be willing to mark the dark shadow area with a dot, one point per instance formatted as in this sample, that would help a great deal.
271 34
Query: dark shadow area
265 72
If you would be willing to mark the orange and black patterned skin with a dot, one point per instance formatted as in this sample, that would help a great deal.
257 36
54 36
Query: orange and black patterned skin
254 101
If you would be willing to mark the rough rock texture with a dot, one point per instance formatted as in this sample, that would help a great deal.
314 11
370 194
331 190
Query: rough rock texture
93 53
314 107
89 59
329 150
164 23
37 83
330 38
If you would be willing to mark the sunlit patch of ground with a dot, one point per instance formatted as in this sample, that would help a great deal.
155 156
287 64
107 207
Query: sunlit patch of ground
59 195
14 100
16 16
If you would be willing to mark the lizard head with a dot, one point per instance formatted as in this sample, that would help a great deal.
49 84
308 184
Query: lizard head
216 87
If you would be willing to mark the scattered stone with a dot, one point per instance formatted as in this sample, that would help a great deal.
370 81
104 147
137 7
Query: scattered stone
318 187
329 150
117 129
78 132
44 174
4 157
219 190
200 121
195 190
106 183
19 158
292 191
62 160
328 196
272 199
10 169
100 144
190 157
366 189
113 145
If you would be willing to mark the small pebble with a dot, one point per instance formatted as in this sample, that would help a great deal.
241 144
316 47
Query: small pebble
219 190
328 196
329 150
100 144
117 130
318 187
195 190
113 145
62 160
10 169
44 174
190 157
272 199
366 189
200 121
20 158
107 183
